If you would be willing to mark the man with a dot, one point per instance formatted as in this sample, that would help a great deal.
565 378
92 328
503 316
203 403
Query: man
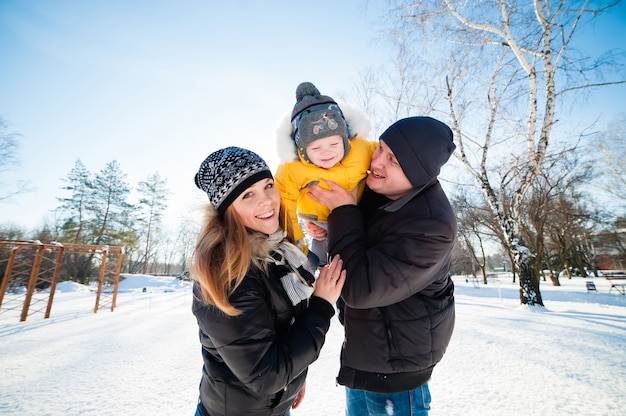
396 247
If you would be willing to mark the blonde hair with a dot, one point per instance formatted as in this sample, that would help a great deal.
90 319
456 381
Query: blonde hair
224 253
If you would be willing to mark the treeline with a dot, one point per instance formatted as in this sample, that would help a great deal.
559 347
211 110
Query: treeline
96 209
566 227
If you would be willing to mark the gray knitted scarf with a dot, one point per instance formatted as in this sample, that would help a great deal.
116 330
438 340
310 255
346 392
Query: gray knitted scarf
299 282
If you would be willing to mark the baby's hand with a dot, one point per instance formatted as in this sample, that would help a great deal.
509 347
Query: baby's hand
315 231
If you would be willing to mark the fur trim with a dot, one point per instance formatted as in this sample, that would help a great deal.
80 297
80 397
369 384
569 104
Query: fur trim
285 146
358 123
261 249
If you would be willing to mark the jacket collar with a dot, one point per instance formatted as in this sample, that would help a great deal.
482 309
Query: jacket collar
394 206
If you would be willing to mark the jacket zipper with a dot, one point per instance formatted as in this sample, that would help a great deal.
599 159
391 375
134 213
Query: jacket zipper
393 352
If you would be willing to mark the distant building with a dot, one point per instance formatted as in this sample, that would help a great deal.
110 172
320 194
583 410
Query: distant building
610 250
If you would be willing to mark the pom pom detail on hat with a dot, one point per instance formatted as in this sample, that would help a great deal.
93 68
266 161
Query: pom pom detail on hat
307 95
316 116
227 172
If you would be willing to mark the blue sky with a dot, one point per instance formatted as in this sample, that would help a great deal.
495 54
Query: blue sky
158 85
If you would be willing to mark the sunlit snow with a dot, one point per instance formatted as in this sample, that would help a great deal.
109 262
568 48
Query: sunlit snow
144 358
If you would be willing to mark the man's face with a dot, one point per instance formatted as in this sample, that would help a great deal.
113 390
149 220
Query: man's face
386 177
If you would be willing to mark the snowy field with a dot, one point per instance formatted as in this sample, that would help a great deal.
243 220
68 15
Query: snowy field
144 358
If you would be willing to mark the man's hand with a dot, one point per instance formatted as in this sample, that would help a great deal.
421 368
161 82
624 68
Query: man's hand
335 197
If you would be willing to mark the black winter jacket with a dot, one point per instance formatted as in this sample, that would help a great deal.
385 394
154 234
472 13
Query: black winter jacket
399 299
255 363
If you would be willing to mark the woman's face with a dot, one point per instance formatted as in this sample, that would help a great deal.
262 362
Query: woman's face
258 207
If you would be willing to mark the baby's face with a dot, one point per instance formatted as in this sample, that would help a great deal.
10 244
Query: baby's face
326 152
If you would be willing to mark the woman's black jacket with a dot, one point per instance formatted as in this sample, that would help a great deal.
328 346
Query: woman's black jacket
255 363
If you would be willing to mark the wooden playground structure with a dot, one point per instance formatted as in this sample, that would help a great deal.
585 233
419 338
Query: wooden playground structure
27 267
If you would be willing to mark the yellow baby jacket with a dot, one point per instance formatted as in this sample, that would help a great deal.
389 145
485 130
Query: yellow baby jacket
293 177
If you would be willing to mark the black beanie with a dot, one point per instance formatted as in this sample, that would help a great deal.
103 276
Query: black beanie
422 145
226 173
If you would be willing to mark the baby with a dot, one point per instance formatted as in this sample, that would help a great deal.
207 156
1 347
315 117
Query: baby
319 140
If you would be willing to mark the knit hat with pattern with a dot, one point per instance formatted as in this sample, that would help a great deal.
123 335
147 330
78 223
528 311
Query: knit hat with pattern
316 116
226 173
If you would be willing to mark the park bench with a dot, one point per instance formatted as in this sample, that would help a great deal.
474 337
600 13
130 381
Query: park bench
617 278
591 287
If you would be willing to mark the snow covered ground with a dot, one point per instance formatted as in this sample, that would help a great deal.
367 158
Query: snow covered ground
144 358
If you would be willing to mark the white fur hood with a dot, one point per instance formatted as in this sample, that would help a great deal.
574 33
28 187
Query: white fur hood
358 123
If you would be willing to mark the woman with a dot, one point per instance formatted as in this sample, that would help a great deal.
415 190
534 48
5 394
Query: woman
262 315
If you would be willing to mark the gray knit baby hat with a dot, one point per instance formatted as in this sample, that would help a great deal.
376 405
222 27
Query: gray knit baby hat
226 173
316 116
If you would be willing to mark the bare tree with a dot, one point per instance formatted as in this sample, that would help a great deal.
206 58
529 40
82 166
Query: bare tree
473 231
186 240
8 148
153 202
8 160
504 67
12 231
554 206
388 94
613 146
366 91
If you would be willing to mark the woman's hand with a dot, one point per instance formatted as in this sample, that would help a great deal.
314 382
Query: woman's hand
299 397
330 281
